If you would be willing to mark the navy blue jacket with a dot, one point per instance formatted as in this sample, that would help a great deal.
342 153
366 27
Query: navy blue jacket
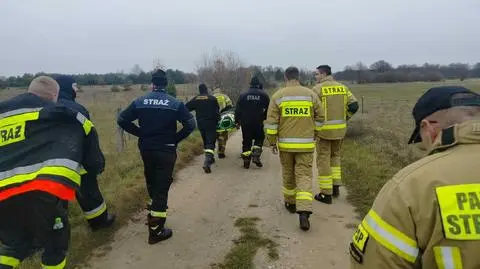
157 113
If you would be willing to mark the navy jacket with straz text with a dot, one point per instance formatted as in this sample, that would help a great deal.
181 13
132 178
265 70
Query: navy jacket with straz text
157 113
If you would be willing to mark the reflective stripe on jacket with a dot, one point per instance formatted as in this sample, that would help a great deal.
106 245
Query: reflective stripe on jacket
294 114
335 98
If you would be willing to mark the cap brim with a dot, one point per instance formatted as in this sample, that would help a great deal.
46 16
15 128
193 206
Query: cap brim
415 137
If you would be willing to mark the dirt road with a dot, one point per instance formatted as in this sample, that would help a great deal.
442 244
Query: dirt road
204 207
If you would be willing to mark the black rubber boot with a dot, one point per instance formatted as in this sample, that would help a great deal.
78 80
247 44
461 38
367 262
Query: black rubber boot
304 220
246 161
256 153
221 155
292 208
156 230
336 191
209 160
324 198
103 221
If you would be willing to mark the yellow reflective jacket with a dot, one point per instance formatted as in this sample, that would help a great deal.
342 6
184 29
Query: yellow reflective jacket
223 100
428 215
335 98
293 115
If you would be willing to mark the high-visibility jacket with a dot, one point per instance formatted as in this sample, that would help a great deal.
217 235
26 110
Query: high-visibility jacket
224 102
428 214
339 105
294 114
45 147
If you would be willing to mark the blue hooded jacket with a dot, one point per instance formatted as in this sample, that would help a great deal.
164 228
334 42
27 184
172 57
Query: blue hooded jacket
67 95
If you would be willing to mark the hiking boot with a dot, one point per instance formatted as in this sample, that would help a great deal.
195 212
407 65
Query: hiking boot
292 208
103 221
156 230
304 222
221 155
336 191
324 198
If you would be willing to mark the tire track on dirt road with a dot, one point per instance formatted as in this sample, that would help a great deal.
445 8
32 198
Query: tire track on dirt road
202 212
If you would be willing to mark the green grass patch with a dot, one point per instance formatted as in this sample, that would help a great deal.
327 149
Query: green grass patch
245 248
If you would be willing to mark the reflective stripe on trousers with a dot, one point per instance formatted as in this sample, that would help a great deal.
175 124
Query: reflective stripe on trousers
96 212
9 261
448 257
158 214
325 184
390 238
58 266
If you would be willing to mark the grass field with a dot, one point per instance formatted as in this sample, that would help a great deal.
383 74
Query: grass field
374 150
122 183
376 145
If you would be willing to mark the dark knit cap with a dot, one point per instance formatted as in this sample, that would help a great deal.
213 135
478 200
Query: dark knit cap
159 78
202 88
255 82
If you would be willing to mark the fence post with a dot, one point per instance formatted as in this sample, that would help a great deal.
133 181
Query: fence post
120 135
362 104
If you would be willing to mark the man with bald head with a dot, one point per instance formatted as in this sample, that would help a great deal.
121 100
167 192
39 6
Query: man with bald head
45 148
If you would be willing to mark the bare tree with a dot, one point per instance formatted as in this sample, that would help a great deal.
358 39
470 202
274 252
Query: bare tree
224 70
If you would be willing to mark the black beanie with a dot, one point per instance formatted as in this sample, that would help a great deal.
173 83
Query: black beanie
159 78
202 88
255 83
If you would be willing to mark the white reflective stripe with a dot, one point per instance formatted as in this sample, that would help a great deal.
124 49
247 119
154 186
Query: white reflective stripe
19 111
271 126
296 140
293 98
81 118
374 228
96 210
318 123
333 122
35 167
448 257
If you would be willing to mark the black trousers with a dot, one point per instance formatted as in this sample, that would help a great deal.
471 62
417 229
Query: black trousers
91 200
209 137
252 134
30 221
158 169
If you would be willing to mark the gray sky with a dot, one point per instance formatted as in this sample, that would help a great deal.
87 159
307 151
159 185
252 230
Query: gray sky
99 36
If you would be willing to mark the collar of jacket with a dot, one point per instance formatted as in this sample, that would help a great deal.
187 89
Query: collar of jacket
159 90
467 132
327 78
292 83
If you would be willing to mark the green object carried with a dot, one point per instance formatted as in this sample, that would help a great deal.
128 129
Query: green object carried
227 121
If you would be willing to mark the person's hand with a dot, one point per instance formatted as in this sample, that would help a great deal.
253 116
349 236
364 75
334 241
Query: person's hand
274 149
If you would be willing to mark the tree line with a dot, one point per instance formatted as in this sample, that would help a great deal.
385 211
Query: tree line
383 72
225 70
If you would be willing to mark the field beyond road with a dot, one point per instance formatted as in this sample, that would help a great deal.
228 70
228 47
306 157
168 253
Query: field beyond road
205 208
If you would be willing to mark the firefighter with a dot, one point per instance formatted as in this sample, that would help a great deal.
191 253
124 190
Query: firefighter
225 104
427 215
207 115
293 115
339 105
157 113
89 198
44 149
250 112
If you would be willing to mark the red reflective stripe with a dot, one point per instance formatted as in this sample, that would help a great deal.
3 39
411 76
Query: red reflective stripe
58 189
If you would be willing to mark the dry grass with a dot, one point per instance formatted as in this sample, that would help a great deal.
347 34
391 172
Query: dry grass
122 182
376 145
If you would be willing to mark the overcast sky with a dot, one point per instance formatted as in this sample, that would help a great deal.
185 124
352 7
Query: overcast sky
99 36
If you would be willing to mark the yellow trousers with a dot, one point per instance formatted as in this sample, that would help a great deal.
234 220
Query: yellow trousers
297 179
328 164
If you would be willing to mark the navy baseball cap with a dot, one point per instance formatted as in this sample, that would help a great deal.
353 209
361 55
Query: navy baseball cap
439 98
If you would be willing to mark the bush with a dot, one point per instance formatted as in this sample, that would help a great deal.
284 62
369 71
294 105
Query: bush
127 87
115 88
144 87
171 89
